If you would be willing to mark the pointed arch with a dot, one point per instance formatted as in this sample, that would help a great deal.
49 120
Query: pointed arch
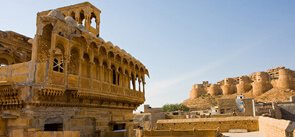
44 43
58 59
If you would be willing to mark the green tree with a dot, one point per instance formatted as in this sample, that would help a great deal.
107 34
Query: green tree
174 107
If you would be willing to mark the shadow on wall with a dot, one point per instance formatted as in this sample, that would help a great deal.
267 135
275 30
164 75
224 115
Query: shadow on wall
290 129
288 112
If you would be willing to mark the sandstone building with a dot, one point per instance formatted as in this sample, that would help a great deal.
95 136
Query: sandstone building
257 83
67 78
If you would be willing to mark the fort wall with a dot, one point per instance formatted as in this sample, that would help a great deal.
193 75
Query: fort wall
258 83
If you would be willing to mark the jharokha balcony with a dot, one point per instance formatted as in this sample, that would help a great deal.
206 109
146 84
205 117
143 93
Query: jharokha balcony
76 68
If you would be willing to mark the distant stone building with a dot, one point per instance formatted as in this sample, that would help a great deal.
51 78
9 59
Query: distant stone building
67 78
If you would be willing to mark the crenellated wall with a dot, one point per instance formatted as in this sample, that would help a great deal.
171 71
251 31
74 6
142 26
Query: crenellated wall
258 83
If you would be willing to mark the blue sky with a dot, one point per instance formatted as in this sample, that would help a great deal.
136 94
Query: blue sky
184 42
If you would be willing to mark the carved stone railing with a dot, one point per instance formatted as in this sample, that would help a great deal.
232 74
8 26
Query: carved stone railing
90 87
94 87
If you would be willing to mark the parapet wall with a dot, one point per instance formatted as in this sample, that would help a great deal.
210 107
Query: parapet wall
16 73
271 127
223 124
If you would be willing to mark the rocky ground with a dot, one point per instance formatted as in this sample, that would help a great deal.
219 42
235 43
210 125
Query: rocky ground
273 95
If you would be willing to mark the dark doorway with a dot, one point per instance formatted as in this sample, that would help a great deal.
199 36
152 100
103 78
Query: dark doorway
53 127
117 127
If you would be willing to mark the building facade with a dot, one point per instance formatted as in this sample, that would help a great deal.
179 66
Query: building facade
67 78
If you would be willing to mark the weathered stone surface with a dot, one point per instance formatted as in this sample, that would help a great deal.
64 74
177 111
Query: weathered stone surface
71 21
56 14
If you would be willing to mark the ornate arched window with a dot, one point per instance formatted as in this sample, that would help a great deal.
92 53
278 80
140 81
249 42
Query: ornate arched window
93 20
119 76
44 44
133 82
58 60
82 18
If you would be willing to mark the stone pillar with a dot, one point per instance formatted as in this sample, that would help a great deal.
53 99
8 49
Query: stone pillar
34 48
127 81
87 22
133 84
139 85
143 86
66 62
123 78
118 80
77 17
51 56
80 67
91 76
98 71
109 75
97 25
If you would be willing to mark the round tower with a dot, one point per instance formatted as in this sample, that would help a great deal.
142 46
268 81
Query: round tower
285 79
214 90
261 83
197 91
228 87
244 85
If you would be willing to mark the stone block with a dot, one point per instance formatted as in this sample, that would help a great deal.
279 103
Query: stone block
20 122
17 133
